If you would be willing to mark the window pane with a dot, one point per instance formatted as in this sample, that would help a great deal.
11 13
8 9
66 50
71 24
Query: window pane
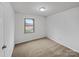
28 25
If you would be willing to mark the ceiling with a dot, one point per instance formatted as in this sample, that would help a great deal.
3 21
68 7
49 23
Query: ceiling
51 7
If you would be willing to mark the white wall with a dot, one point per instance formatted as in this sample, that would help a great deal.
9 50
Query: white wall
64 28
1 30
1 36
19 28
8 27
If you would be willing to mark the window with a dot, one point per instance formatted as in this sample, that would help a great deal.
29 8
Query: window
28 25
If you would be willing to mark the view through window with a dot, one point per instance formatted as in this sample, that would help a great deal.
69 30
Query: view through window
28 25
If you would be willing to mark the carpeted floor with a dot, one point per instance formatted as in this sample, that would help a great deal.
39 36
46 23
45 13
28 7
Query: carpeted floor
42 48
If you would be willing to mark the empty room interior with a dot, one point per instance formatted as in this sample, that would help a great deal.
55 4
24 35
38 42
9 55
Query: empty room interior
39 29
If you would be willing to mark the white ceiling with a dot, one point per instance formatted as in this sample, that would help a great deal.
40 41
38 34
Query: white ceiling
52 7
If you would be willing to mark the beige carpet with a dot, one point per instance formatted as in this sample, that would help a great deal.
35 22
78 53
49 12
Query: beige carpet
42 48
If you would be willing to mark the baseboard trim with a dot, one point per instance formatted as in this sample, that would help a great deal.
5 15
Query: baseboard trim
30 41
62 44
45 38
